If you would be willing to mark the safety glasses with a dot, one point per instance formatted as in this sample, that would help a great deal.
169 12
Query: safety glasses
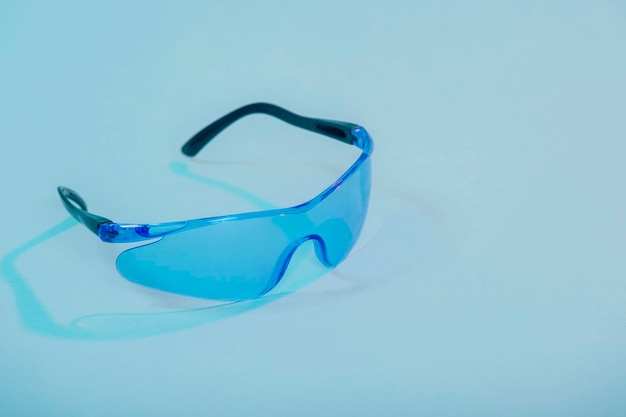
242 256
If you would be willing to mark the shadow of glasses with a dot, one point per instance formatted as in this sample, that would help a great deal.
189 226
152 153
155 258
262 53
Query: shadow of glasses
36 318
402 239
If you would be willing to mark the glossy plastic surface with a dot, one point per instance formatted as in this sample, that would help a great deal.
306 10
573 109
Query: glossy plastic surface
242 256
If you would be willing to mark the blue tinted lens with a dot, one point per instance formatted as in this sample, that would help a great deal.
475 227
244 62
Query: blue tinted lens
225 261
245 257
338 219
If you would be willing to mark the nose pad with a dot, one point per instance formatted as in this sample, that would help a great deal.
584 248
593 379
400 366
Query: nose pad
321 251
283 261
333 241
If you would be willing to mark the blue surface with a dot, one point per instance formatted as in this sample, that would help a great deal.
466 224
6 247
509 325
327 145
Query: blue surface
491 276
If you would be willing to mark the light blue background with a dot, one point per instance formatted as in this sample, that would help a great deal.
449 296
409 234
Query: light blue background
491 279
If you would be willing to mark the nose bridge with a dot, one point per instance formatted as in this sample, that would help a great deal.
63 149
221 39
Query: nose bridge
319 244
329 233
301 228
285 258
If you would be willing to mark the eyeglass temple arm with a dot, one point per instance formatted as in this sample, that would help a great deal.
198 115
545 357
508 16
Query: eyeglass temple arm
340 131
77 207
